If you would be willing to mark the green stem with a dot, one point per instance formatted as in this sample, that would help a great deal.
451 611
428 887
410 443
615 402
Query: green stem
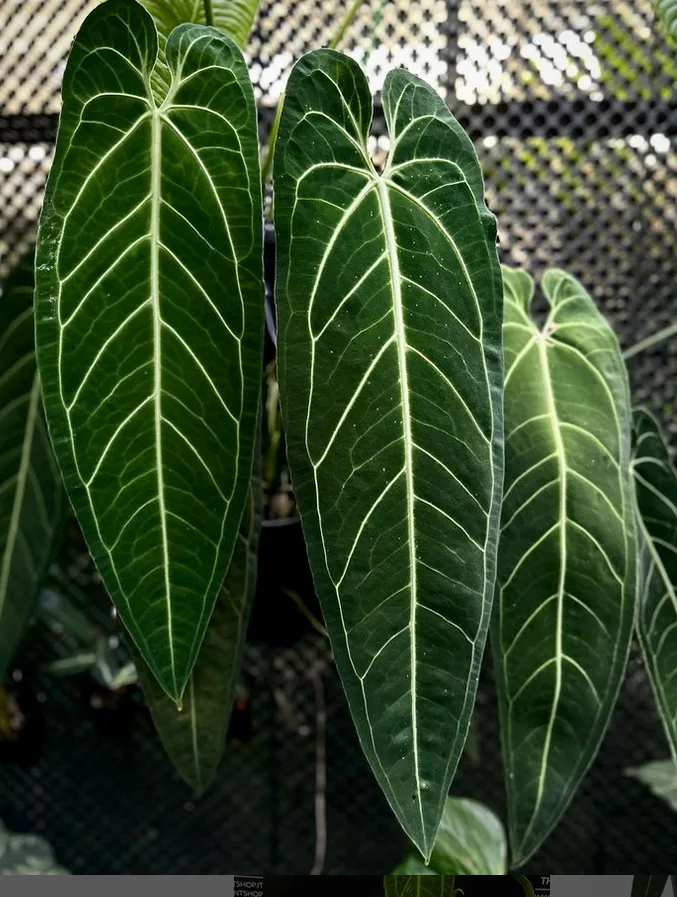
652 340
351 12
209 16
268 161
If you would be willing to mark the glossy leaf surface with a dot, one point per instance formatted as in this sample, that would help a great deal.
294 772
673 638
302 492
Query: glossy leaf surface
32 499
150 315
389 304
656 494
567 559
194 737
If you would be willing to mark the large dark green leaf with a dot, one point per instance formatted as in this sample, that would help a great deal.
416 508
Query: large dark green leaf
389 301
470 841
648 885
195 735
419 886
567 559
150 318
656 493
32 498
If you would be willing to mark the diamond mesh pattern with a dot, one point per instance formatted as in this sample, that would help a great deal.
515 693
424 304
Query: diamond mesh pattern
573 108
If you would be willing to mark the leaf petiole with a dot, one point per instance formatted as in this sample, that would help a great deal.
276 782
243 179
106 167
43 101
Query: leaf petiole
653 340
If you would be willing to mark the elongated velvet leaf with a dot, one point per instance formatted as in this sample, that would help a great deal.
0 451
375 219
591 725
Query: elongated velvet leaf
567 556
32 498
389 302
150 305
656 493
470 841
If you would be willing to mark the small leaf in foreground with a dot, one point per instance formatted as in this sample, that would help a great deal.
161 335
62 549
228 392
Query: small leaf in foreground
149 304
661 777
470 841
655 484
389 306
32 500
194 737
567 555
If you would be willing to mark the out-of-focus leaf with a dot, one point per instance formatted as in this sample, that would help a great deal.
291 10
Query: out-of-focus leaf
26 855
667 11
655 483
661 777
389 302
32 499
470 841
149 317
194 736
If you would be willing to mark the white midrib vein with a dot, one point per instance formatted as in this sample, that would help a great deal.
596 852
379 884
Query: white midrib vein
22 482
156 174
561 462
400 338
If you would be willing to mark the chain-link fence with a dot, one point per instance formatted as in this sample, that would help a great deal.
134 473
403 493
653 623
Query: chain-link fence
573 108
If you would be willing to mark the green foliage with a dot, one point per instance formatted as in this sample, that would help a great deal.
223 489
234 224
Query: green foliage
655 484
149 306
32 499
389 303
567 561
667 11
194 735
661 777
470 841
149 317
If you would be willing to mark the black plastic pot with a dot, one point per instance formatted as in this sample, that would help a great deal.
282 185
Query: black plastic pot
283 561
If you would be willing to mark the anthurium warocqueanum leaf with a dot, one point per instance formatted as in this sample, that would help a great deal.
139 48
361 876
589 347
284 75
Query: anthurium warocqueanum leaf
656 493
390 301
150 318
567 559
32 499
194 736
